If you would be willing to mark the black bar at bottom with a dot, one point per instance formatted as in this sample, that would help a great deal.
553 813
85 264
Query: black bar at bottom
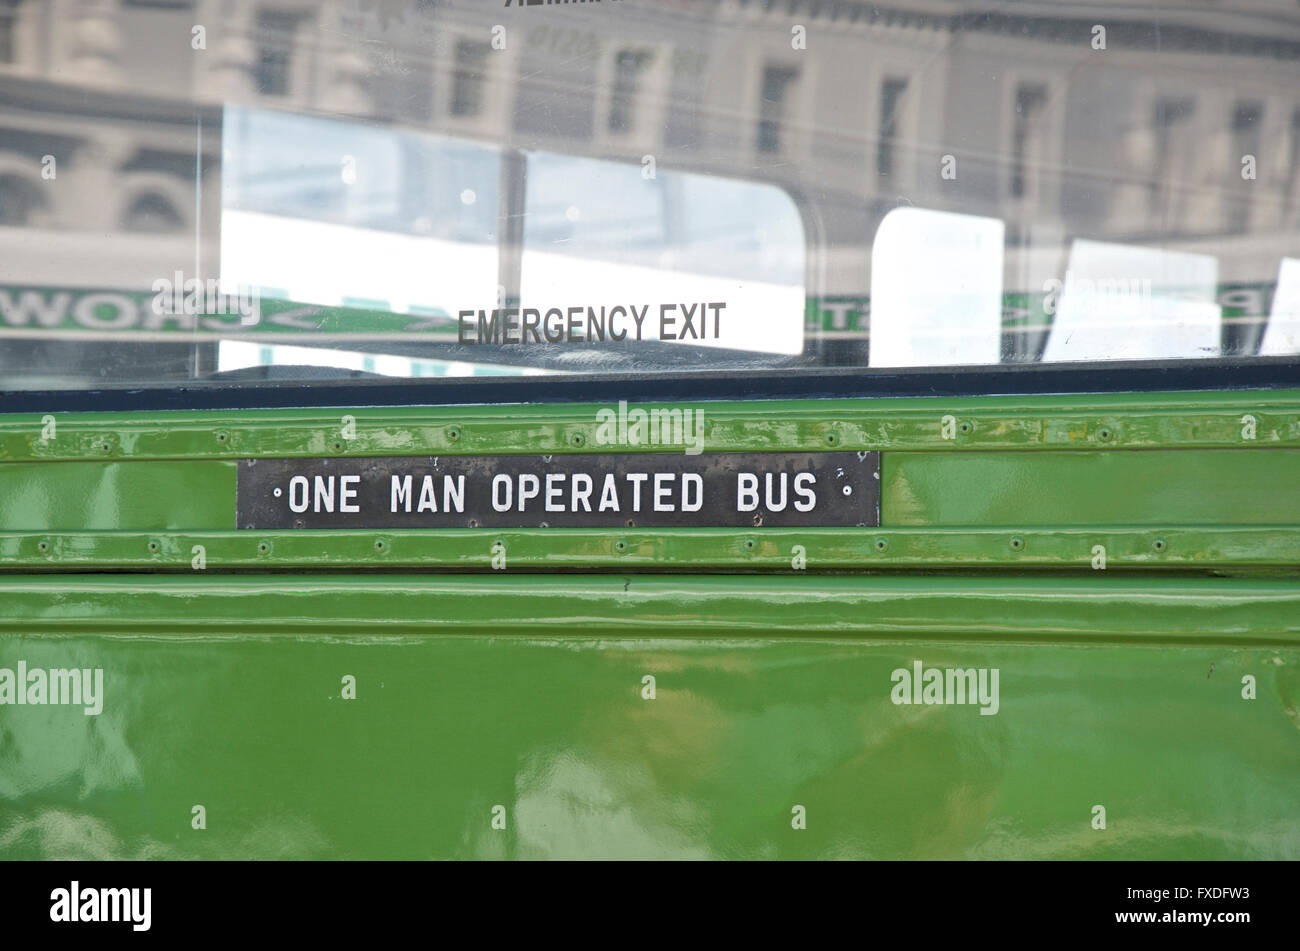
928 900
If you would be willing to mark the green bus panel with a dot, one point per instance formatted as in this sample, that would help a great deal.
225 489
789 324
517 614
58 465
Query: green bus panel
1188 486
1171 704
1175 486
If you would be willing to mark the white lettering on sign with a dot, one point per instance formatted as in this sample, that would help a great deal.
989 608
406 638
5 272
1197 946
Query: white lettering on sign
564 492
774 491
453 494
558 492
645 490
670 492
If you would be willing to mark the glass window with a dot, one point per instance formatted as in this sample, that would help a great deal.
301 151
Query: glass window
441 188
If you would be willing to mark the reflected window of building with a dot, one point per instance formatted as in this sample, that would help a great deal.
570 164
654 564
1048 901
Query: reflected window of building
1026 137
1294 163
20 199
152 213
8 22
777 82
682 125
891 102
276 31
468 78
555 94
406 93
1171 121
628 67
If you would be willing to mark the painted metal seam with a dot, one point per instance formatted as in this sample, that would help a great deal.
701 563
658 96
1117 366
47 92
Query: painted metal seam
771 549
1112 421
604 608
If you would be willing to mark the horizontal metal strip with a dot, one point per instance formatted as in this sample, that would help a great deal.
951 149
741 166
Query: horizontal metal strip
1101 549
596 608
1121 421
1027 379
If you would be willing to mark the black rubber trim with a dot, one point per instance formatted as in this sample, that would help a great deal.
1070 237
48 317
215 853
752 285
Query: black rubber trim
831 383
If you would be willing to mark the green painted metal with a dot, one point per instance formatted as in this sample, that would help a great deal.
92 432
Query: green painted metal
1208 487
1196 509
522 686
862 609
527 693
101 496
1109 421
1189 487
1192 547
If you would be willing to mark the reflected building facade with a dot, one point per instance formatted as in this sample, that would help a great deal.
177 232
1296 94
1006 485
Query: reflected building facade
1173 126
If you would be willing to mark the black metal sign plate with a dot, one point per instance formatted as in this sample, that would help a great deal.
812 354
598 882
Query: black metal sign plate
609 490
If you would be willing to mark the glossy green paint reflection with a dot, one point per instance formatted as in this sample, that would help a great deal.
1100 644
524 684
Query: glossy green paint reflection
1187 487
90 496
473 693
